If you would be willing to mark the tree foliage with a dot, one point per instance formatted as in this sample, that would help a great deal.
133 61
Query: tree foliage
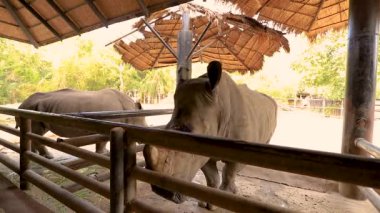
323 66
21 72
25 72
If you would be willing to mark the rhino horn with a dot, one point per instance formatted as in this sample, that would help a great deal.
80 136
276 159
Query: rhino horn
151 156
214 73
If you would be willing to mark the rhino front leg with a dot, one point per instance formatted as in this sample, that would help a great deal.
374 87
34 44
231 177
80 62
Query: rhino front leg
212 178
228 176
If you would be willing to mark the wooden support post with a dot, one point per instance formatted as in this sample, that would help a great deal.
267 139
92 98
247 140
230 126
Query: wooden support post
185 40
117 169
361 80
25 145
129 180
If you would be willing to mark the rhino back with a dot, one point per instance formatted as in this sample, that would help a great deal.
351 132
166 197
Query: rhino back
71 101
262 114
253 115
81 101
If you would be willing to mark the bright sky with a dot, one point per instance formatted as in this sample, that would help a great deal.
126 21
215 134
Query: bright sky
277 66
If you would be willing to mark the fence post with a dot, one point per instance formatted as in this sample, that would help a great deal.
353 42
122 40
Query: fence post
25 145
117 170
129 165
363 26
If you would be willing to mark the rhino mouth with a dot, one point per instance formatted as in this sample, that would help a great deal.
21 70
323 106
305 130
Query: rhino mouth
172 196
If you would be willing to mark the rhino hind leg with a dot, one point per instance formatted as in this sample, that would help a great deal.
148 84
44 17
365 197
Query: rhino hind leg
101 148
38 128
213 180
228 176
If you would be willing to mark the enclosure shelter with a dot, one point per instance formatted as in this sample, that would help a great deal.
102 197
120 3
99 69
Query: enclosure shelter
238 42
356 172
41 22
311 17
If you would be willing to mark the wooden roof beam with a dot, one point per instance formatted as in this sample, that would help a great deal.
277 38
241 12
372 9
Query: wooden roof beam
40 18
97 12
199 39
143 7
54 5
20 23
161 39
234 54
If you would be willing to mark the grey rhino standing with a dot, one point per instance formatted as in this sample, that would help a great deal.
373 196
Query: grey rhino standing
212 105
69 101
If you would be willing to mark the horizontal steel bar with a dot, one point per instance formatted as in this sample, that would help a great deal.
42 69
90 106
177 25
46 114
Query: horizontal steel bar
340 167
10 130
60 194
121 114
83 180
212 195
9 145
85 140
10 163
96 126
372 196
72 150
347 168
368 147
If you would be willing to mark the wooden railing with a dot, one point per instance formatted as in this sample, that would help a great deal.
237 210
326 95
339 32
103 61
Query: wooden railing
124 172
102 132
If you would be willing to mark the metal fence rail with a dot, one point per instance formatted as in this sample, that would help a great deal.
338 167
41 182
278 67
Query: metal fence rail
368 147
372 196
347 168
220 198
373 150
103 130
341 167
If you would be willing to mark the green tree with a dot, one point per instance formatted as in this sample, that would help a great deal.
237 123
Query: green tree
21 72
156 85
323 66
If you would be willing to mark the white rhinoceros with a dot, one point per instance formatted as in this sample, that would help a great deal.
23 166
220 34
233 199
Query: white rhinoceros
71 101
214 105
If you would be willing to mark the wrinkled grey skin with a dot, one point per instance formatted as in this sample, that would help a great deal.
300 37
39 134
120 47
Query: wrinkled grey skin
68 101
212 105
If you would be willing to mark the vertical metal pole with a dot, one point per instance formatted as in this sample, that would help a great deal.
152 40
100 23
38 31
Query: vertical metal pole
25 145
117 170
361 79
185 40
129 165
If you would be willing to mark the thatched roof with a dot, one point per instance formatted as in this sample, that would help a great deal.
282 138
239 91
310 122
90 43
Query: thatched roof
312 17
40 22
239 42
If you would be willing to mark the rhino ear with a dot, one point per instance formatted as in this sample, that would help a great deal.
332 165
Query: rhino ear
214 73
138 105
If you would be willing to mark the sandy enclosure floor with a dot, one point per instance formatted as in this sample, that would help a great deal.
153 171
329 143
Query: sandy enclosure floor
299 129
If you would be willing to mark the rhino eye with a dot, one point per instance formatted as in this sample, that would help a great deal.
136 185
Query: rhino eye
185 128
182 128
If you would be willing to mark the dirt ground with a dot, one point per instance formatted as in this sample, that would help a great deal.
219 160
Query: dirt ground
299 129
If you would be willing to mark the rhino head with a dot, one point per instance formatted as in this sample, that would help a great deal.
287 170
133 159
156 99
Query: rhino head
196 111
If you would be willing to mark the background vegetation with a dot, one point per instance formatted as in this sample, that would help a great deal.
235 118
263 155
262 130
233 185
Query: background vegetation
320 71
23 72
